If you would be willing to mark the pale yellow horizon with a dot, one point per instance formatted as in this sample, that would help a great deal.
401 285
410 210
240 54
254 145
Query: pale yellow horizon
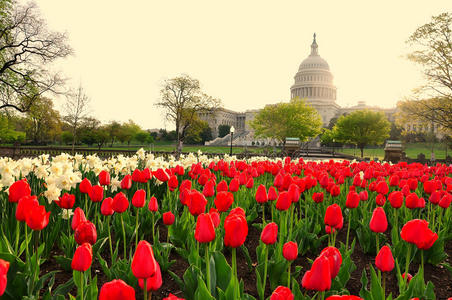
243 52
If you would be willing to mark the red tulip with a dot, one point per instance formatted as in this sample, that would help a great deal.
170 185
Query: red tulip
357 180
319 277
153 204
396 199
384 260
417 232
85 186
161 175
215 216
4 267
223 201
24 207
352 200
222 186
139 198
136 176
272 195
269 234
261 194
126 182
234 185
445 201
335 260
18 190
335 190
363 196
412 183
290 251
378 222
209 189
282 293
67 201
83 256
116 290
120 203
104 178
317 197
154 282
435 197
380 200
235 230
85 233
143 262
294 192
284 201
413 201
173 183
37 218
79 217
96 194
106 208
333 216
205 231
394 180
168 218
382 187
197 203
409 276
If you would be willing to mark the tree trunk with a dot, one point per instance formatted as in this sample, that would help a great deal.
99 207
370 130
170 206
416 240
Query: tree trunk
362 151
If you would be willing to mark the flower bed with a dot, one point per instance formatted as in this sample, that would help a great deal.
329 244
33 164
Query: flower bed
143 227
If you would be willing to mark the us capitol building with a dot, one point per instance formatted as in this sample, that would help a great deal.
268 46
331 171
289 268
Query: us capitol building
313 82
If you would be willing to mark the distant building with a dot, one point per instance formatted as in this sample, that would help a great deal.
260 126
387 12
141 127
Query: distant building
313 82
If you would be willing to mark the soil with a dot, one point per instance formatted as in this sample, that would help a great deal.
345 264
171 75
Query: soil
438 275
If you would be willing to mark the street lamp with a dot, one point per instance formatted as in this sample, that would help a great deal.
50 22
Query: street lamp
231 130
334 146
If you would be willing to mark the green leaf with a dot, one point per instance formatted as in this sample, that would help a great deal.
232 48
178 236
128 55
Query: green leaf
201 292
222 269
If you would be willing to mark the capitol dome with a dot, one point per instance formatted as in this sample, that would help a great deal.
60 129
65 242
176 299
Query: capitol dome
314 82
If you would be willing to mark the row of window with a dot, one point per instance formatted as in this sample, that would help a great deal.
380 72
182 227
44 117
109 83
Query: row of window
314 92
317 78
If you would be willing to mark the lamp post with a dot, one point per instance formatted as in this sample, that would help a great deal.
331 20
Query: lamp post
334 146
231 130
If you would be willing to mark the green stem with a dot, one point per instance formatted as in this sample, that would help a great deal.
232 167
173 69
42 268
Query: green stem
109 239
153 234
124 237
348 230
288 278
263 214
291 221
407 264
378 243
384 285
396 222
208 268
145 291
26 240
422 261
265 270
136 228
81 285
16 248
234 269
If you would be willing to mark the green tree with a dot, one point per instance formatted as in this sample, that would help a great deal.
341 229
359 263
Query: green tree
432 50
7 132
113 129
292 119
42 122
143 137
128 131
223 130
27 50
67 137
362 128
194 133
182 100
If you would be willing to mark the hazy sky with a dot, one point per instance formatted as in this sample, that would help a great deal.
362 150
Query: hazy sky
243 52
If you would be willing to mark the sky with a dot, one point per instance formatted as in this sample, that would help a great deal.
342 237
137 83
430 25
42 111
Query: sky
245 53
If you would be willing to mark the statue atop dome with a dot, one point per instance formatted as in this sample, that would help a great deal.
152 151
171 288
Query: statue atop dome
314 46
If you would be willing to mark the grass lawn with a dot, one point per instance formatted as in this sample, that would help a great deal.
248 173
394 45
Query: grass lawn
411 150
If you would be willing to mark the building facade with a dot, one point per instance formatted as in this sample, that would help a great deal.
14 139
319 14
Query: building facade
313 82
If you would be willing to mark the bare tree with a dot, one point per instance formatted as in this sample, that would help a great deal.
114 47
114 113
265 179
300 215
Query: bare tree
182 100
76 109
27 48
